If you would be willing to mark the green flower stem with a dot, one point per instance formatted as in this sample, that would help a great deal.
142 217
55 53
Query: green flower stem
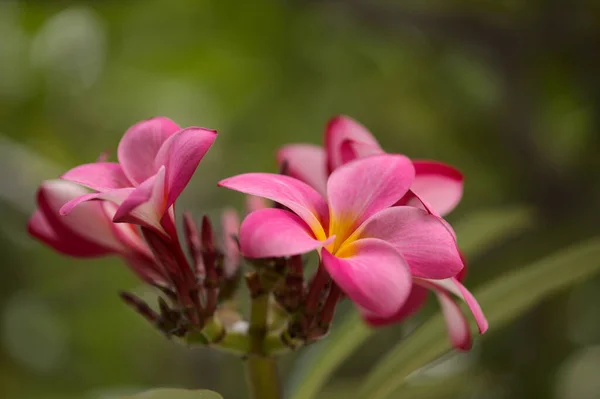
261 369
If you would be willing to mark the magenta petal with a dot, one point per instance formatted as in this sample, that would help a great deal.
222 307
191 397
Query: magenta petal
114 196
299 197
146 204
140 145
180 154
415 301
438 184
363 187
87 225
339 130
372 273
457 324
69 244
424 240
100 176
455 287
275 233
305 162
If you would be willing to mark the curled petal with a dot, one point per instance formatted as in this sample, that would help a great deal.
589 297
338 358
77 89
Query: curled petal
455 287
140 145
458 327
99 176
275 233
88 222
364 187
69 244
180 154
438 184
415 301
299 197
423 239
372 273
305 162
114 196
146 204
342 129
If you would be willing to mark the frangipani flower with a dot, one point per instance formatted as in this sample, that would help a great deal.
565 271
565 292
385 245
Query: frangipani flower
438 185
371 248
88 231
437 188
156 161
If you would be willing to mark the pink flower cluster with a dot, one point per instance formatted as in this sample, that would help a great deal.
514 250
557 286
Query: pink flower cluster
374 218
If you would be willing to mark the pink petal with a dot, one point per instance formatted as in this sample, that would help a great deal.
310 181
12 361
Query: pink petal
115 196
69 244
146 204
455 287
438 184
180 154
414 302
275 233
126 233
305 162
299 197
363 187
372 273
458 327
424 240
340 129
100 176
88 221
230 223
140 144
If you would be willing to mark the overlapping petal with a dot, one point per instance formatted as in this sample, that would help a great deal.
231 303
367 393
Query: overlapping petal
180 154
372 273
99 176
140 145
455 287
438 184
146 205
87 226
423 239
289 192
305 162
275 232
456 322
415 301
342 129
364 187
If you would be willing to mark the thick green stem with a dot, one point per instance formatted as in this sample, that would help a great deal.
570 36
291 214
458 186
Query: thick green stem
262 377
261 369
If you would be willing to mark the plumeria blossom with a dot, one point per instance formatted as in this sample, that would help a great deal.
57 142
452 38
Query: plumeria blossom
438 185
370 248
436 188
156 161
88 231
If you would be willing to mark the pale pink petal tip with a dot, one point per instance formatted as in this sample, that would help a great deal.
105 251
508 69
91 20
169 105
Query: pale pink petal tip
305 162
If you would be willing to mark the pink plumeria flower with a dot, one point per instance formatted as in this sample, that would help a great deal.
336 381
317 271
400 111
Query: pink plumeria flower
156 161
370 248
438 185
88 231
437 188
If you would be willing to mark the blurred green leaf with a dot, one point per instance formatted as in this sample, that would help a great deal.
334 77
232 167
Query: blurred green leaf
476 232
175 394
502 300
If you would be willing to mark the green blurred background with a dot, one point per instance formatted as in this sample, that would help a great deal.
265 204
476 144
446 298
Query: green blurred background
508 91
